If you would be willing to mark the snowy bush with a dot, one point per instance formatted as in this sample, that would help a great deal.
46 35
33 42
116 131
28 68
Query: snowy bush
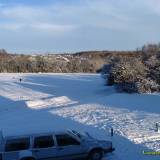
147 86
153 64
132 75
127 70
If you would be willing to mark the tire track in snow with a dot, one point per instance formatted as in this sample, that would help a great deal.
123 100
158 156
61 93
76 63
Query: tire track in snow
135 126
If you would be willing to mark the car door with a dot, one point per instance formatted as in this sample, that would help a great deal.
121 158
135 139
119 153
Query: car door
14 146
68 147
44 147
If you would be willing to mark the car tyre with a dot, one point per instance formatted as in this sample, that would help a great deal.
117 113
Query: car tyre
96 155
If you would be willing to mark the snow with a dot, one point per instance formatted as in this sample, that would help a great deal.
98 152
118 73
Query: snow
59 57
47 102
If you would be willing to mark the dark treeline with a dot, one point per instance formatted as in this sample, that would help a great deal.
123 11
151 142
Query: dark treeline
88 62
43 63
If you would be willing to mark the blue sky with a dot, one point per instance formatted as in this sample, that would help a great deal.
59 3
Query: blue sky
31 26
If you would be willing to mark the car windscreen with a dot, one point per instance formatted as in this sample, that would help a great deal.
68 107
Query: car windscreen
17 144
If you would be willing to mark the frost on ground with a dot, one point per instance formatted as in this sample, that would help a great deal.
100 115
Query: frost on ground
43 102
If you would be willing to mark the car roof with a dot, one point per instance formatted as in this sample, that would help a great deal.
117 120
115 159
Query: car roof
36 134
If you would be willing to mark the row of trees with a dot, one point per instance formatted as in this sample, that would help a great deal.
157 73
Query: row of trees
137 74
43 63
90 61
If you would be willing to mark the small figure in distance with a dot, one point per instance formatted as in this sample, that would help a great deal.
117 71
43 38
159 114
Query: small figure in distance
20 79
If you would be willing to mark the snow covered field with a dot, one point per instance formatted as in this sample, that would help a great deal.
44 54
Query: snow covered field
43 102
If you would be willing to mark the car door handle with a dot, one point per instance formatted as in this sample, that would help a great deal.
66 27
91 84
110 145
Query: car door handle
36 151
60 148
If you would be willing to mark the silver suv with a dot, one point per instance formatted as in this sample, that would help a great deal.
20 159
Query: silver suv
67 145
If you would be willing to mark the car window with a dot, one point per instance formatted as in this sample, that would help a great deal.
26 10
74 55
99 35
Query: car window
66 140
43 142
17 144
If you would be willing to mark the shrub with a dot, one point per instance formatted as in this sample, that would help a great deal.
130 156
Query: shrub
147 86
132 75
153 63
127 70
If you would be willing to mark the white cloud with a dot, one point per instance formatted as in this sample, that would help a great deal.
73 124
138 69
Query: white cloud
82 26
153 5
32 18
52 28
24 13
11 26
94 14
103 14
